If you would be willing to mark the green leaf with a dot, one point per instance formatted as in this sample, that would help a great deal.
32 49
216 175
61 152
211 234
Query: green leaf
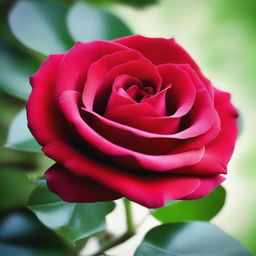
201 209
19 136
15 69
15 188
22 234
88 23
40 25
138 3
134 3
190 238
2 2
73 221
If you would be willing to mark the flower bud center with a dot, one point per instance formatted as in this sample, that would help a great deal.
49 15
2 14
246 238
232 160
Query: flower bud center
138 93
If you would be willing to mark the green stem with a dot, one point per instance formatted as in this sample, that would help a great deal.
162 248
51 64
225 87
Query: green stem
129 218
131 230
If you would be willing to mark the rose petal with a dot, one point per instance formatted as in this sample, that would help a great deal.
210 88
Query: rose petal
74 67
118 96
162 51
69 102
149 190
158 101
181 97
44 120
201 140
141 69
207 185
201 116
77 189
124 114
218 152
193 76
94 84
130 137
148 120
160 125
222 147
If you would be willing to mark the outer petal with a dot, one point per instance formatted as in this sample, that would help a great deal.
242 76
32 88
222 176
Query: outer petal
218 152
44 119
74 67
222 147
65 70
161 51
201 140
149 190
193 76
207 185
72 188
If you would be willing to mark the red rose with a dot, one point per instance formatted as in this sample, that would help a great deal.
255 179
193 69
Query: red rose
134 117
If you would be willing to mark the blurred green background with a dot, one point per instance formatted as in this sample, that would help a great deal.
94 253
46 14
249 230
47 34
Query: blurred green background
220 35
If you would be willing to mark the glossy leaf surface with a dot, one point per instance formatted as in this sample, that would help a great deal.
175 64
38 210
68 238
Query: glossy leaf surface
201 209
190 238
73 221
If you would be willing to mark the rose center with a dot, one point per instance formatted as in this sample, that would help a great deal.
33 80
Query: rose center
138 93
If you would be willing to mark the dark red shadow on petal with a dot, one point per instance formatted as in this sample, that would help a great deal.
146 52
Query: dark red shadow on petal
151 191
72 188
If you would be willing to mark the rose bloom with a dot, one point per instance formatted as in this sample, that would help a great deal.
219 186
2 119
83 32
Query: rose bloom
133 118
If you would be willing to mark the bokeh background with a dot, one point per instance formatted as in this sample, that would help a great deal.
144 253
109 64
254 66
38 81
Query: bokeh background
220 35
